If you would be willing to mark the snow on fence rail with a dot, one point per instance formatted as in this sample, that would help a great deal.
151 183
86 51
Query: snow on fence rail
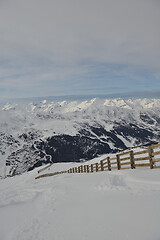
149 157
125 160
45 167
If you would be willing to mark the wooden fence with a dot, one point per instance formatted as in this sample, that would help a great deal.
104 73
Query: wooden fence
45 167
149 157
50 174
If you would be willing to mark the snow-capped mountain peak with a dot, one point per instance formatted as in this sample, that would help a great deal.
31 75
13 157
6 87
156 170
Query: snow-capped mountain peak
74 130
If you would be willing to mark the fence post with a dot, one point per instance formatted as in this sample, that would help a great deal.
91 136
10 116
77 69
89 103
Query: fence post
132 160
101 162
79 169
87 168
150 152
118 162
75 169
84 168
91 167
96 167
109 163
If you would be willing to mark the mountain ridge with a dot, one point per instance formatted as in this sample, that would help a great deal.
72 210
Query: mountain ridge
37 133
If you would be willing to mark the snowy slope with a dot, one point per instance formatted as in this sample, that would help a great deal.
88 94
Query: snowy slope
107 205
43 132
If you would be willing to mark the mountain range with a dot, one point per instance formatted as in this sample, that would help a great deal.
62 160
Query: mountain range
37 133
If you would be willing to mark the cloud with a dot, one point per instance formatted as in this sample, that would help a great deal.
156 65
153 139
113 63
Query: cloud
62 42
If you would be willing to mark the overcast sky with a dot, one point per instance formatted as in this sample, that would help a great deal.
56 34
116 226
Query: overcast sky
79 47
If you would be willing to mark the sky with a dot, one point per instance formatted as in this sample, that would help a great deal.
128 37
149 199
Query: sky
79 47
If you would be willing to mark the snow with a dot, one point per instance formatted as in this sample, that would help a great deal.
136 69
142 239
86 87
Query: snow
117 102
87 206
67 117
46 119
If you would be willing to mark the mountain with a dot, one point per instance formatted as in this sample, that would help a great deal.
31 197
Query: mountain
37 133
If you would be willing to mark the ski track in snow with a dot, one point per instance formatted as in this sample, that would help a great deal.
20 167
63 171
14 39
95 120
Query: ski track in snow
109 205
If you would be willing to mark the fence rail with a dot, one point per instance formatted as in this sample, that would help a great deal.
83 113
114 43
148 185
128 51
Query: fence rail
125 160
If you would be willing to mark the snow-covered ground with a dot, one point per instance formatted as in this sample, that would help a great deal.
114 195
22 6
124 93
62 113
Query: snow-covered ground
114 205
